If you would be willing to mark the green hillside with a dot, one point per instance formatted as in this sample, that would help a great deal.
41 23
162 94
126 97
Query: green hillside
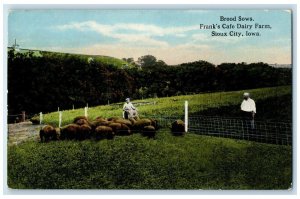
98 58
172 106
166 162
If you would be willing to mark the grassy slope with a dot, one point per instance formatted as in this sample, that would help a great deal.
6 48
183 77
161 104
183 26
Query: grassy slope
106 60
135 162
100 58
172 106
265 109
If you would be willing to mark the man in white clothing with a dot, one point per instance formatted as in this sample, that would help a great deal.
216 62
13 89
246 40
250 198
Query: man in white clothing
248 108
129 109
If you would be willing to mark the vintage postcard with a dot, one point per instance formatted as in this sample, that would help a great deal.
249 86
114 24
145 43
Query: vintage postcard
114 99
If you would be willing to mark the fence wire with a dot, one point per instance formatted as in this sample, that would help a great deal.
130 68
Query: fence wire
237 128
260 131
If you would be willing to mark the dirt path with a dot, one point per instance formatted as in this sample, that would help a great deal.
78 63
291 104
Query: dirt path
19 132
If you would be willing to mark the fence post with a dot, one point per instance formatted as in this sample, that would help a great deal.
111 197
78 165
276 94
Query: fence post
85 111
60 118
41 117
23 116
73 107
186 116
57 109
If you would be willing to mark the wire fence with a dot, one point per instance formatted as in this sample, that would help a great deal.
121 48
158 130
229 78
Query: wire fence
16 118
163 120
259 131
236 128
229 127
19 116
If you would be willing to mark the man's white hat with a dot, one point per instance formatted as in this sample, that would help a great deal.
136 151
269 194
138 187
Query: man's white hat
246 94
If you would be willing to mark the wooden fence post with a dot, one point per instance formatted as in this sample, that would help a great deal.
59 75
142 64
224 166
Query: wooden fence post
60 118
85 111
23 116
186 116
41 117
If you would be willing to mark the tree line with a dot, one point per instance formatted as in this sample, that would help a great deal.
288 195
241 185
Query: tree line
43 83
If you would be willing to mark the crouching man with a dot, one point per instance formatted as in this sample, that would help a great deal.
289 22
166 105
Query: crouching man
129 111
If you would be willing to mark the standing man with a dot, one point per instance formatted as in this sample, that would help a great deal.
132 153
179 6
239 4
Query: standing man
248 108
128 108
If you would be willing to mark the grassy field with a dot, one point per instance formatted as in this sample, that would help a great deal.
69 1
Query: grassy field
172 106
265 109
166 162
135 162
